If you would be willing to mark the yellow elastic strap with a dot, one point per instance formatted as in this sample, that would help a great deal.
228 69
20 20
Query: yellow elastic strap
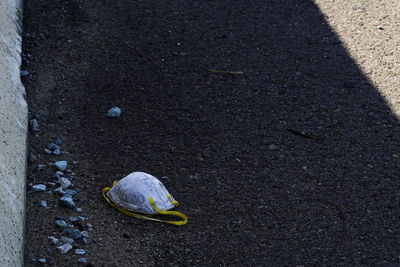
144 217
176 203
169 212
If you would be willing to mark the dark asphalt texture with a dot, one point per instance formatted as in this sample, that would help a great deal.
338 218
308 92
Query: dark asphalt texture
329 200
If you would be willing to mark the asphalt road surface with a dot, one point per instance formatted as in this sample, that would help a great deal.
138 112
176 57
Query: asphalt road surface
293 162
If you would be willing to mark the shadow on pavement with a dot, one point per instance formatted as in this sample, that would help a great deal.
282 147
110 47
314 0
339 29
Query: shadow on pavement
254 191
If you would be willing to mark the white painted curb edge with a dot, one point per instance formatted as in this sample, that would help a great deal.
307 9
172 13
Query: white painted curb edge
13 136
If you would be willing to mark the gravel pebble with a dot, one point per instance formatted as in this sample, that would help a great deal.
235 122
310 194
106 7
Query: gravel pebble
59 191
58 142
39 188
67 240
40 167
48 151
82 260
34 125
80 251
71 192
53 240
61 165
53 146
61 224
85 234
79 209
114 112
57 151
272 147
73 233
65 248
23 72
65 183
42 260
67 201
43 203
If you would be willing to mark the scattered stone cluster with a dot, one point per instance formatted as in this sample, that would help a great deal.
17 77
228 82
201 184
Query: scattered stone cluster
59 189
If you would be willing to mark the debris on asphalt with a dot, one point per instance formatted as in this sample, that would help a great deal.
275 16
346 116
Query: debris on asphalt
194 177
67 201
65 248
128 193
82 260
53 240
43 204
272 147
57 151
71 192
67 240
39 188
40 167
61 165
305 135
59 191
85 234
42 260
34 125
73 233
73 219
58 142
61 224
114 112
225 71
23 73
53 147
64 182
80 251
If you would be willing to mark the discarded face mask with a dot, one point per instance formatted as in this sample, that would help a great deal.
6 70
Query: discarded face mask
140 194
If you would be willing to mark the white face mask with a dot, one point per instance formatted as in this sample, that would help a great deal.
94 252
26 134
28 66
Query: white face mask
140 193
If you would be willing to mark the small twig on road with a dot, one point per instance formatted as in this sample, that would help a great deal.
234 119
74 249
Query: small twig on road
224 71
306 135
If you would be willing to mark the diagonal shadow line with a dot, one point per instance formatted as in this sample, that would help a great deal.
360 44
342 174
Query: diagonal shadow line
297 76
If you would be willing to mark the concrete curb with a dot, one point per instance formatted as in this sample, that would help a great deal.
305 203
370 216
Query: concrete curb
13 136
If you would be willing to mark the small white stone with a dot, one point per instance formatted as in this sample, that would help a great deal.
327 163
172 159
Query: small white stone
61 165
80 251
65 248
53 240
39 188
43 203
114 112
64 182
272 147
